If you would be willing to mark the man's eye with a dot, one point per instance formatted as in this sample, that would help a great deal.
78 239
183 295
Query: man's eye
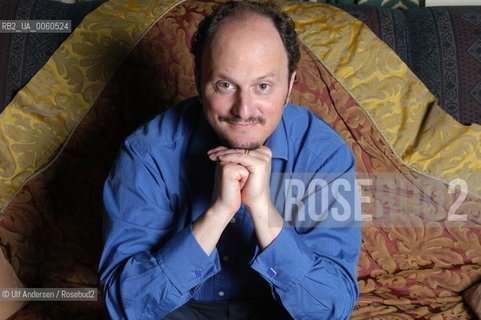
224 85
264 87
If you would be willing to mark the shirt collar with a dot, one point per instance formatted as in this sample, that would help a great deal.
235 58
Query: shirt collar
277 142
204 138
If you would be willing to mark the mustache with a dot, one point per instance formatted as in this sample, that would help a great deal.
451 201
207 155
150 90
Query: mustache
236 119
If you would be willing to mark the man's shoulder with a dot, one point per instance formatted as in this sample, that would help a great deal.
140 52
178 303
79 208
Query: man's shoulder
167 127
311 137
303 124
301 116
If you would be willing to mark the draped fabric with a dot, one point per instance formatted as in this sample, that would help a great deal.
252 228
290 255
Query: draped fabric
440 45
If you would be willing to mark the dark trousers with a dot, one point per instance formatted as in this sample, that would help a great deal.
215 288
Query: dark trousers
236 309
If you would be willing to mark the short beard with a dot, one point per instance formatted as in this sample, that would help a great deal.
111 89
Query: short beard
233 145
234 119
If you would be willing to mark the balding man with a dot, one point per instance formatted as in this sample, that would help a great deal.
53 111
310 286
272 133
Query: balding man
191 228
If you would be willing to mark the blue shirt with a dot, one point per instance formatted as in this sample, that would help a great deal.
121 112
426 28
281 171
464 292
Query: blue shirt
162 181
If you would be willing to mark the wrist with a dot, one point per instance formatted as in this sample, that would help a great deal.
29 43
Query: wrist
220 214
268 222
260 208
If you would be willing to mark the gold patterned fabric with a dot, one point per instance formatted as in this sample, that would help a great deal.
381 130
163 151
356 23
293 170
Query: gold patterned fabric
50 107
421 134
129 60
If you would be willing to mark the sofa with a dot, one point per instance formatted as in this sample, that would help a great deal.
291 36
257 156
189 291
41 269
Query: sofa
402 87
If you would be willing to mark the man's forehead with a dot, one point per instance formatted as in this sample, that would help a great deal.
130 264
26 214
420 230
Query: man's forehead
253 22
268 76
248 43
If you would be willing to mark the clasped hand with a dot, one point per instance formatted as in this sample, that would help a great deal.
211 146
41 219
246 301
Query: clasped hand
241 178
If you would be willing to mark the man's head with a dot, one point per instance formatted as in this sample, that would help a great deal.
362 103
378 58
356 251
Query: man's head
246 55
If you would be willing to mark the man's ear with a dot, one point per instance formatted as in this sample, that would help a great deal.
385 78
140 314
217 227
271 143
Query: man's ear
291 83
197 83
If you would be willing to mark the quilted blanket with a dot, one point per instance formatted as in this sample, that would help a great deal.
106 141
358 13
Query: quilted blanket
419 170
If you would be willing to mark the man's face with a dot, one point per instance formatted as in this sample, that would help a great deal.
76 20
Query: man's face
244 81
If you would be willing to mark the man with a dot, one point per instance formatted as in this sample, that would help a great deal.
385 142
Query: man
191 230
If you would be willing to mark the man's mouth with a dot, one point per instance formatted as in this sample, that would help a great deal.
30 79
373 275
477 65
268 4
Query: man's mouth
243 125
243 122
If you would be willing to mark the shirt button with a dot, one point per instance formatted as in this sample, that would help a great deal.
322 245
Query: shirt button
233 220
225 258
220 293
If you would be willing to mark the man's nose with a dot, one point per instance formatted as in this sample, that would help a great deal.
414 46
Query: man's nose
243 105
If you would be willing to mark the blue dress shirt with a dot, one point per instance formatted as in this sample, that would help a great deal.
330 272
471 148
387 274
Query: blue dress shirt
162 181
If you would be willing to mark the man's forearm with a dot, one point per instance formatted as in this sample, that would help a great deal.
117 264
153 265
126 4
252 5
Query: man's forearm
208 229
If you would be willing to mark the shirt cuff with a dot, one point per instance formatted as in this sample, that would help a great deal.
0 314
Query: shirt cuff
285 261
185 263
